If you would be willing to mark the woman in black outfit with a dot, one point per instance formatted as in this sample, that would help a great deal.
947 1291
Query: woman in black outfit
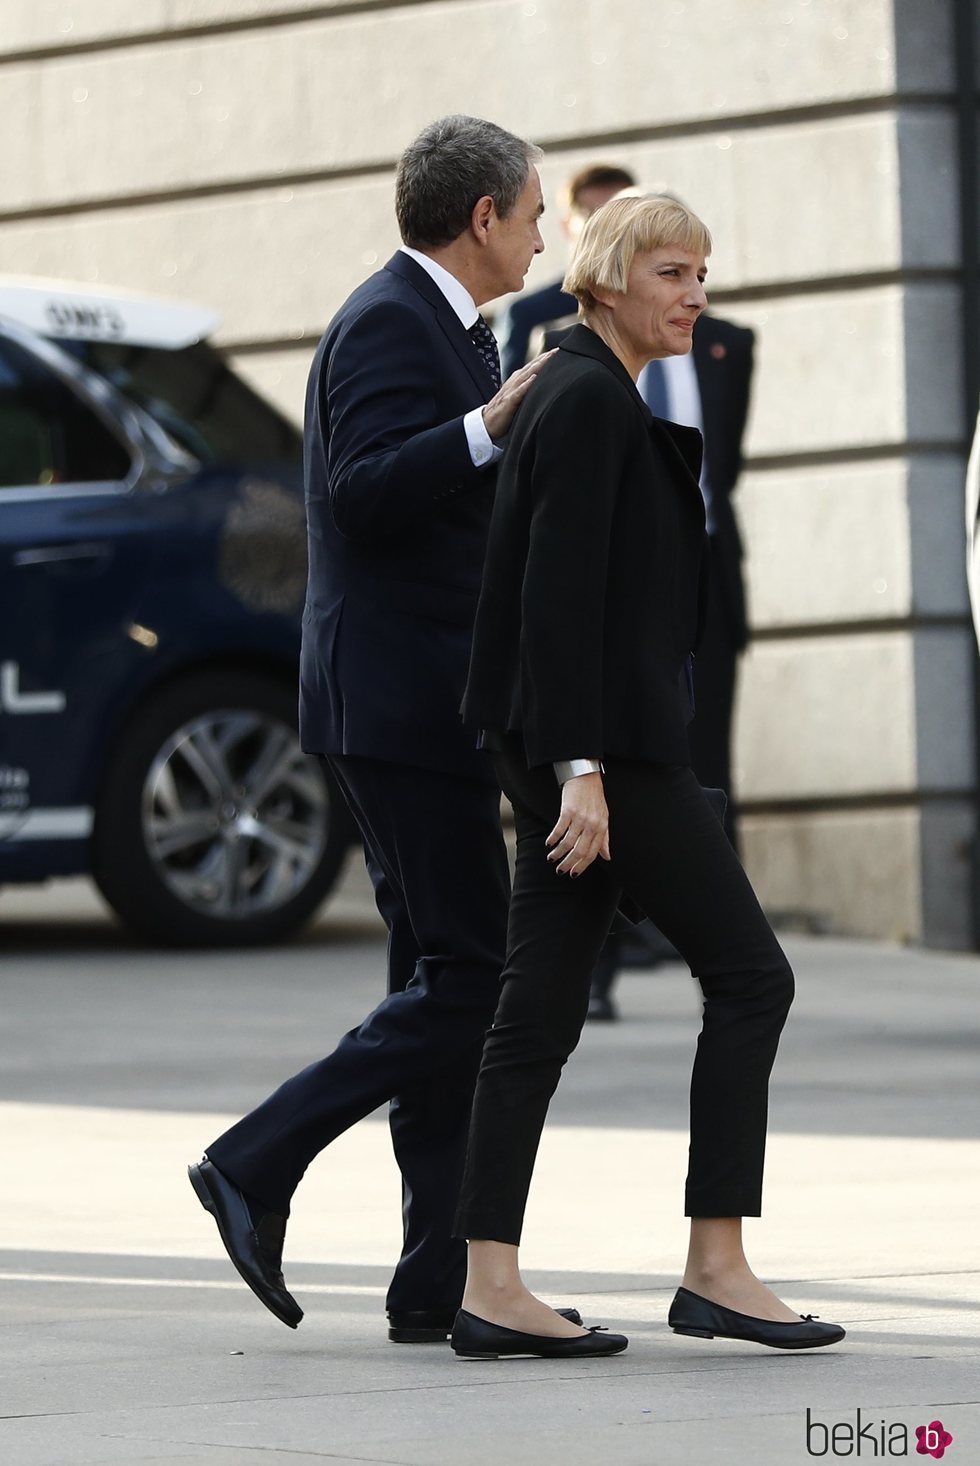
581 680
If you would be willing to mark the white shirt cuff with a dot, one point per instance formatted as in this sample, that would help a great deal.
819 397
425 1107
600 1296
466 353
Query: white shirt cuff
483 450
574 768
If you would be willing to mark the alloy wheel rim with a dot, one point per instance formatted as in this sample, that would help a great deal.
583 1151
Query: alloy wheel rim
234 814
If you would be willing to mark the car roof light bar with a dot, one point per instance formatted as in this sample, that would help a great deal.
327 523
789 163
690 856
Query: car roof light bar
68 312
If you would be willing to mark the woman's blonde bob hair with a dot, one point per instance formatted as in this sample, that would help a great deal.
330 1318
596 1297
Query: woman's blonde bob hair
626 226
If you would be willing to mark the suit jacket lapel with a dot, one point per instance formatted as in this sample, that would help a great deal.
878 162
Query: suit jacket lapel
450 323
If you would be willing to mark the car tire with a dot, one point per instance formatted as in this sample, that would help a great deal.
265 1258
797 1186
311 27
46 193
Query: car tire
212 829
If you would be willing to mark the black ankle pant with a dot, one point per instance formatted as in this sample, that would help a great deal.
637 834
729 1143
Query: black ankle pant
671 855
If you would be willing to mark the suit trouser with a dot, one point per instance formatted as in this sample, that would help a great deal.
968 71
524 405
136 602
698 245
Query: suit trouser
710 732
436 856
670 853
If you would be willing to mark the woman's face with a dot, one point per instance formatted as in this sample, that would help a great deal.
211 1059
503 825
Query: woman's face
664 297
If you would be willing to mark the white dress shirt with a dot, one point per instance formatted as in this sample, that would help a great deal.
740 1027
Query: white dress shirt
483 451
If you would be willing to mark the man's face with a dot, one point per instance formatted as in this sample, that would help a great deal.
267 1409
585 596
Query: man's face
515 241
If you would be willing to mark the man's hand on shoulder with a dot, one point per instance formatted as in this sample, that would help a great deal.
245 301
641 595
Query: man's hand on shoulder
500 410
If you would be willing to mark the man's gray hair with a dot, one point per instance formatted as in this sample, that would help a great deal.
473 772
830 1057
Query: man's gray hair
452 163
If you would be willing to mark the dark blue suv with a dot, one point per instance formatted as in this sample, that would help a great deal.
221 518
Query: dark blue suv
152 572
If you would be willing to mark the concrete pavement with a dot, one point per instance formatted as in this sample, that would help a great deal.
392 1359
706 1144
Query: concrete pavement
128 1338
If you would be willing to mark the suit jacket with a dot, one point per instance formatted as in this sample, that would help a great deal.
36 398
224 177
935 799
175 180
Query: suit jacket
593 588
523 315
397 519
723 363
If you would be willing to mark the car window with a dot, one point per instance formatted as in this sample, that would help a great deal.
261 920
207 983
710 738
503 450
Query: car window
47 434
195 397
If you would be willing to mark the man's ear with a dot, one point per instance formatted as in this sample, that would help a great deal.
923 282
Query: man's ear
482 218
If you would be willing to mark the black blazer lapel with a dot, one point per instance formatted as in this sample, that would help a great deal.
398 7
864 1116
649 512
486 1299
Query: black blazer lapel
682 446
684 443
406 268
683 449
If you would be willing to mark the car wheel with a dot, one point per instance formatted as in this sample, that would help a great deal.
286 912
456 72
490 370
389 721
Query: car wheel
213 827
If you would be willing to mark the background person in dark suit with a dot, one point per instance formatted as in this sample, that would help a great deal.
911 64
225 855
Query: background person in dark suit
403 411
708 390
591 603
586 191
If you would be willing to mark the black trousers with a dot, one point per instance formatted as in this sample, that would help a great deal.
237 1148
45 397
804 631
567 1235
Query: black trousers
670 853
436 856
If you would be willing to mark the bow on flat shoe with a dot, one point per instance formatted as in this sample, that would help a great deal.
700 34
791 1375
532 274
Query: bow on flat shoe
701 1319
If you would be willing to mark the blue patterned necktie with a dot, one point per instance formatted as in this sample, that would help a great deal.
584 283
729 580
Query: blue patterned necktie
486 344
653 388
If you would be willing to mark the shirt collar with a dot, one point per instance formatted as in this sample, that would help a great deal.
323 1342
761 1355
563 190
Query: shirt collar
457 294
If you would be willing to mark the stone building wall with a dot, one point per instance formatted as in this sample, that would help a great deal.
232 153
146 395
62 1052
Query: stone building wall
240 153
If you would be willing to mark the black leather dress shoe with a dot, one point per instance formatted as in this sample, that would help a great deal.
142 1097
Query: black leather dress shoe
254 1248
701 1319
476 1338
434 1326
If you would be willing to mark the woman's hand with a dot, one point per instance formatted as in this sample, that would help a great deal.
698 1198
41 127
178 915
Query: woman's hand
582 831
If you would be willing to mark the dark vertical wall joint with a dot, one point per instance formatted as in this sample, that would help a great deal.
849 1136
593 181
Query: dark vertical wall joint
966 24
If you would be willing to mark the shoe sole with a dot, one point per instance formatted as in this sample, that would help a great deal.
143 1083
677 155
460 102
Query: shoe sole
207 1201
536 1354
766 1343
419 1336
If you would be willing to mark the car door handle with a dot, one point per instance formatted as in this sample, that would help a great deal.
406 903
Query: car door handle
58 554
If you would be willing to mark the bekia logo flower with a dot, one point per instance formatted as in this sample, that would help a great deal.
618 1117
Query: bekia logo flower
933 1439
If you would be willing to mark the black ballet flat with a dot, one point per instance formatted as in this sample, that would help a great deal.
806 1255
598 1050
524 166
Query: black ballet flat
476 1338
701 1319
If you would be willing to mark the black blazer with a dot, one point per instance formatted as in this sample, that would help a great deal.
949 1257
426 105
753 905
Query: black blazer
397 518
723 361
594 586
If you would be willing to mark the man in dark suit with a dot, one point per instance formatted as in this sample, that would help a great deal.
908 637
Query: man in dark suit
586 191
404 412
